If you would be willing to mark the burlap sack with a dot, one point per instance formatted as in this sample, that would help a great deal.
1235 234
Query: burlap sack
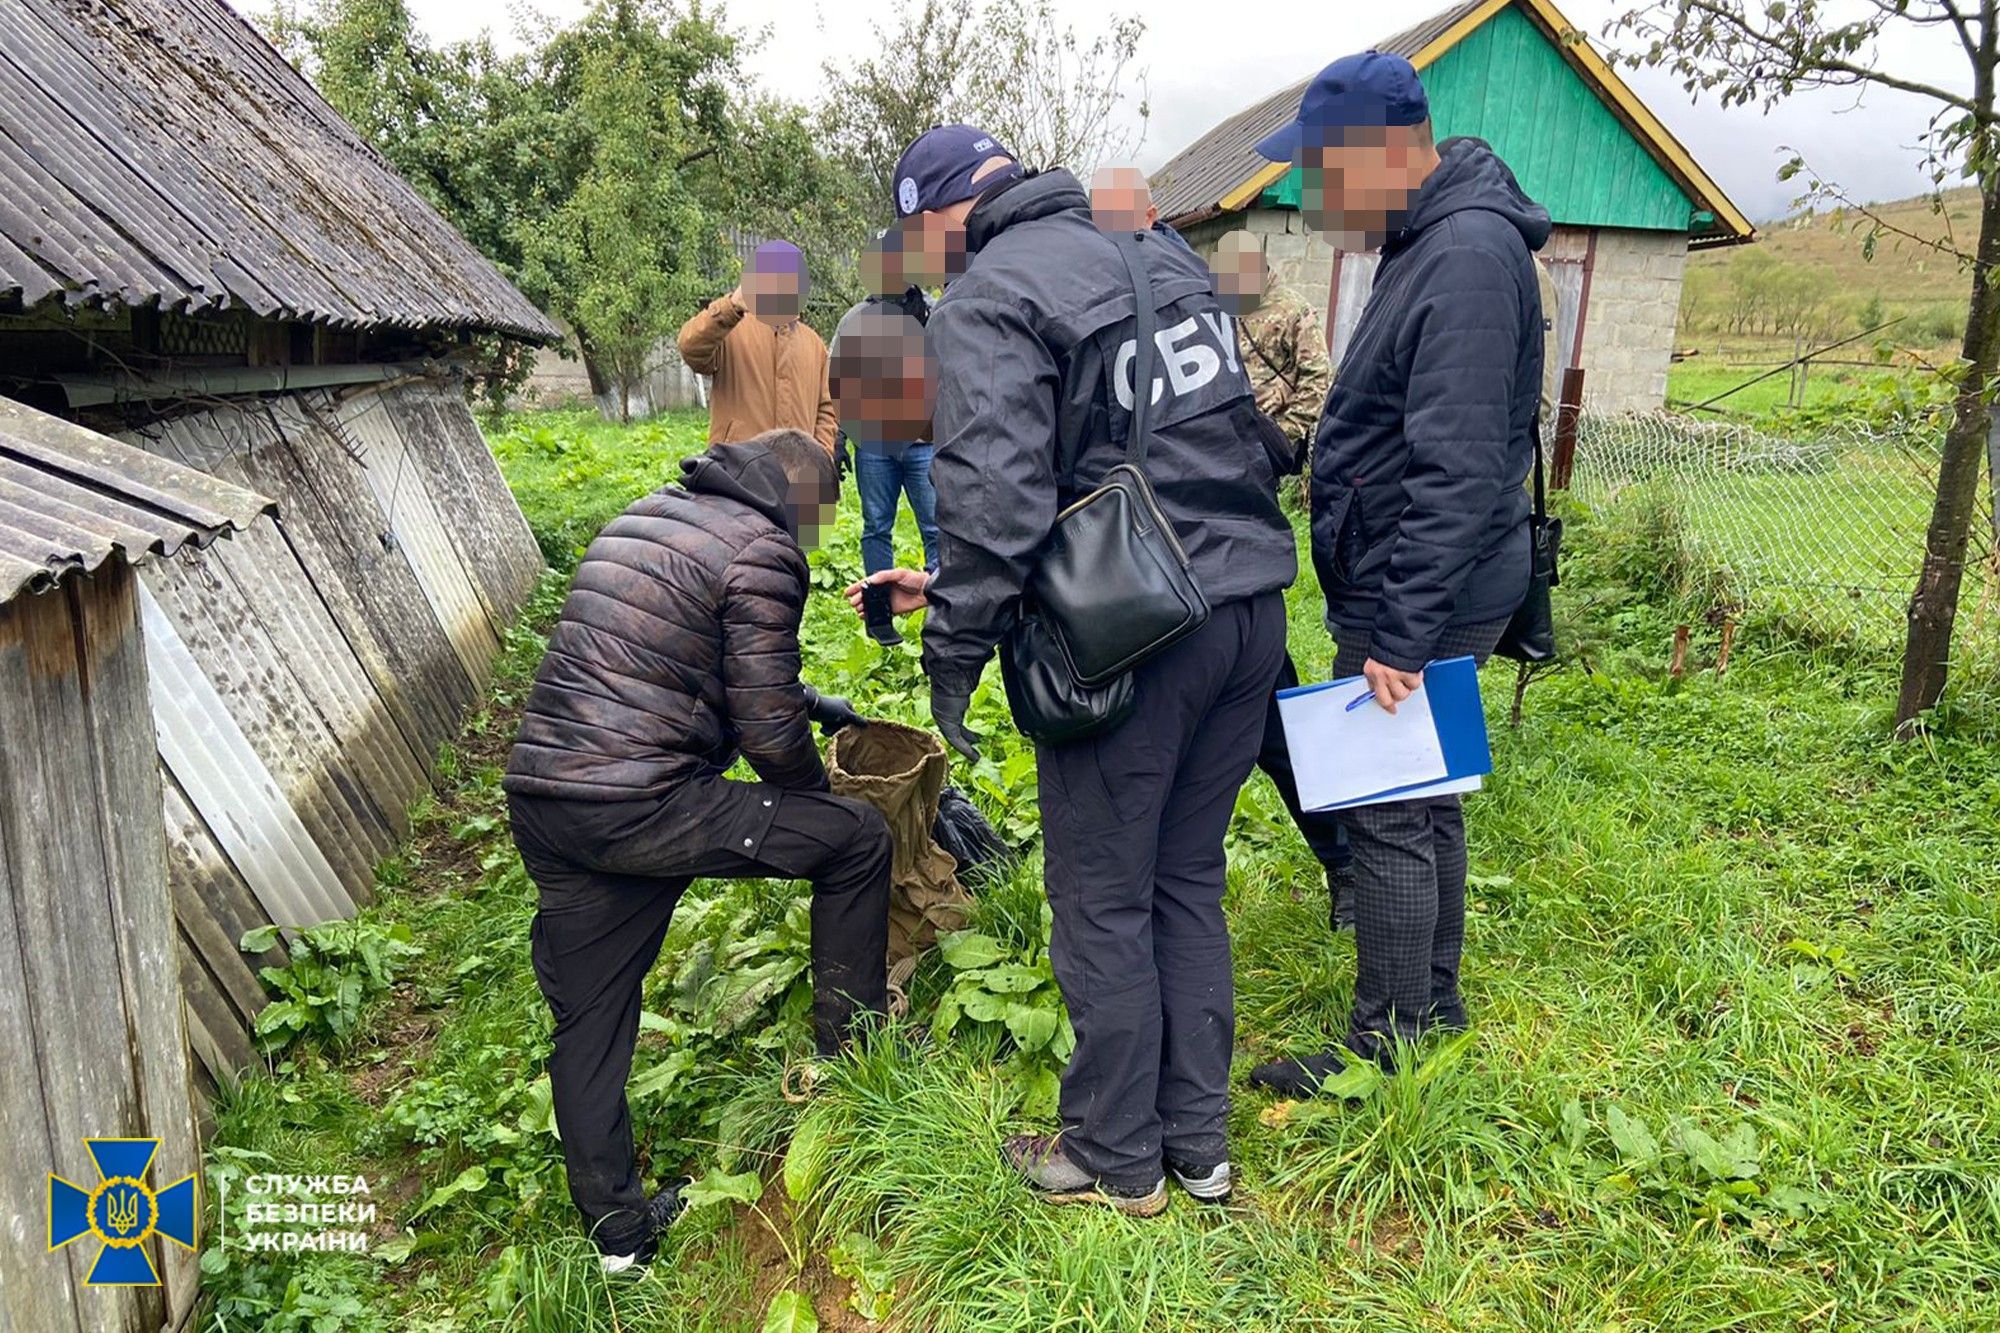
900 771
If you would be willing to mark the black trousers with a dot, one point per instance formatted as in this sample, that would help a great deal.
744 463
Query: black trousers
1409 889
1132 828
609 874
1321 830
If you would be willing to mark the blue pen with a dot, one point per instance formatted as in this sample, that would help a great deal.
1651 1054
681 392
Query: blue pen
1358 700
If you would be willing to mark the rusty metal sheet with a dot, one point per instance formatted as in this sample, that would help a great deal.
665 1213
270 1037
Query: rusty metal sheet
70 499
160 151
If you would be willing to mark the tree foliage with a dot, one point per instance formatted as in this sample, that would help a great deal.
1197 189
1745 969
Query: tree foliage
1051 94
1747 53
608 167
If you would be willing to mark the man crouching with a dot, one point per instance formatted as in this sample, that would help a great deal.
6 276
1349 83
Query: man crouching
677 650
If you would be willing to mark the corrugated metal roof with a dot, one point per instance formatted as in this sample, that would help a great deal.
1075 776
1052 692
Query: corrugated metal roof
162 151
70 499
1226 156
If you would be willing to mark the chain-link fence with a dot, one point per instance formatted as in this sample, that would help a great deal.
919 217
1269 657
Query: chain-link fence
1826 527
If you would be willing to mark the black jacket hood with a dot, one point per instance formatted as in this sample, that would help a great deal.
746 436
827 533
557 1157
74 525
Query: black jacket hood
1020 200
1471 175
748 472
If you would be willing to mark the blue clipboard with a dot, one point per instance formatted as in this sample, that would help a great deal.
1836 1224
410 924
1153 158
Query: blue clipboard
1456 711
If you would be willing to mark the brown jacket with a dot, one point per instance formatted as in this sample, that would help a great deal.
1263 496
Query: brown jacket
678 648
766 378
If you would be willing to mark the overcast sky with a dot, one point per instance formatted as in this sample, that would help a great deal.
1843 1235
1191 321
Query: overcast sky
1201 67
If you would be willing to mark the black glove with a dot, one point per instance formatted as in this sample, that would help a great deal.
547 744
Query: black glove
831 711
948 711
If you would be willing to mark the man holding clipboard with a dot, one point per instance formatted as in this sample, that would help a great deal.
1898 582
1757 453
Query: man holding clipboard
1419 512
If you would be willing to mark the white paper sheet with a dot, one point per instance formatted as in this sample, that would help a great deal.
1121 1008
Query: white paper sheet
1449 787
1345 757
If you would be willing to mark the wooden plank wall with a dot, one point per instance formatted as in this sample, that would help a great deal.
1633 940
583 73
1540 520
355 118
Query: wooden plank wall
317 662
87 988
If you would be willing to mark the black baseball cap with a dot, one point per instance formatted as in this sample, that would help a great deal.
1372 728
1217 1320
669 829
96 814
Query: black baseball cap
1372 88
936 170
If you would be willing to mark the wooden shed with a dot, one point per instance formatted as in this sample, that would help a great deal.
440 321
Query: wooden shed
200 259
1628 200
89 1003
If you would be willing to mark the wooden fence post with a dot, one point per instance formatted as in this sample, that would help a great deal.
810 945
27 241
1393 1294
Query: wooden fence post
1568 408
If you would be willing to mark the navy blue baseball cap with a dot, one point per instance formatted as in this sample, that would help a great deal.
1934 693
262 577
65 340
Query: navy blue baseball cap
1372 88
936 171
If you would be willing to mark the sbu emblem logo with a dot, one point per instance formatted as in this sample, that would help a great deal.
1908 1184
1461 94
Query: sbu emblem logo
123 1212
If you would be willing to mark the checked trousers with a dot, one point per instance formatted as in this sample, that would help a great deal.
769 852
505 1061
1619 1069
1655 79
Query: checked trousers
1409 887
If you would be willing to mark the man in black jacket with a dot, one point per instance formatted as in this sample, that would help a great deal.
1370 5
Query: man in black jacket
1419 515
1031 341
678 650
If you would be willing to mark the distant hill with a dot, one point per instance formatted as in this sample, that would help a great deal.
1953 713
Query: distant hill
1903 278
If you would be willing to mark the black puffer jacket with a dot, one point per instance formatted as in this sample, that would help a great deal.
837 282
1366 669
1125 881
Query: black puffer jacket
679 645
1028 418
1419 516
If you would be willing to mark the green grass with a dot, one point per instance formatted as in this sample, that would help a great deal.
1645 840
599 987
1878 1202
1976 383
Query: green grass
1733 958
1698 379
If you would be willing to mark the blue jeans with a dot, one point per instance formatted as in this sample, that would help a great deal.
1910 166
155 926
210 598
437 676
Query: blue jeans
883 478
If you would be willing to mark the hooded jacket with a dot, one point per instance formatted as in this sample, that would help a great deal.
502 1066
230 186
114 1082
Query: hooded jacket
767 376
678 648
1419 516
1028 419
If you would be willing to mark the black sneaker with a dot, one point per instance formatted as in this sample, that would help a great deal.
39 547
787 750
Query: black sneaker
661 1210
1208 1183
1340 896
1306 1075
1039 1160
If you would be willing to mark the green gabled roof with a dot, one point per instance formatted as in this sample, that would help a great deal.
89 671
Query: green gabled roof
1512 72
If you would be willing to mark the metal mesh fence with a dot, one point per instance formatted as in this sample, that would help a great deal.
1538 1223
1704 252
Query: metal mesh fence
1826 527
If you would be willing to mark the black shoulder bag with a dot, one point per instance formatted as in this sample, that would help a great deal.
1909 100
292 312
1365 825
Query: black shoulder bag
1531 635
1112 587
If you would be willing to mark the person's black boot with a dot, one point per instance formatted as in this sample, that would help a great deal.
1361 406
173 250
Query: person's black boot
1306 1075
1340 896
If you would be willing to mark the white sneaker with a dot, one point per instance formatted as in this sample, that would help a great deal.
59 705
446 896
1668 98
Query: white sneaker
1210 1184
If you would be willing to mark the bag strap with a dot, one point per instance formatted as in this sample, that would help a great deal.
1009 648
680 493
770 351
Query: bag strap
1541 500
1128 243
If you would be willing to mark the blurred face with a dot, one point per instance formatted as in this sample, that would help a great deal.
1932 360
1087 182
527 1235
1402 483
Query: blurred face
934 242
811 497
934 246
1120 200
884 380
881 270
1358 188
1240 273
775 287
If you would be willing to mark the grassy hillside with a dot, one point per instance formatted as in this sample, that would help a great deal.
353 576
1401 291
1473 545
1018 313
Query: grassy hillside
1903 276
1815 278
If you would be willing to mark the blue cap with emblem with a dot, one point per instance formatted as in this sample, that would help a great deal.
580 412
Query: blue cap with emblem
1372 88
936 170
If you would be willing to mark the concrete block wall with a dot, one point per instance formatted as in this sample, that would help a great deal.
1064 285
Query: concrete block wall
1635 295
1628 329
1298 259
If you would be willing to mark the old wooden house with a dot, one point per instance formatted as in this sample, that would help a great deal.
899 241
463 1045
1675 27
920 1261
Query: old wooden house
1628 200
203 269
90 1002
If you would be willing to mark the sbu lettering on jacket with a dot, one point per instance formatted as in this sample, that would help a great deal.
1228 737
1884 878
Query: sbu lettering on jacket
1195 367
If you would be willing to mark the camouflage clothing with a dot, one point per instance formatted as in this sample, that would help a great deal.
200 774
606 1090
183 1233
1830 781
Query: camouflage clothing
1284 350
